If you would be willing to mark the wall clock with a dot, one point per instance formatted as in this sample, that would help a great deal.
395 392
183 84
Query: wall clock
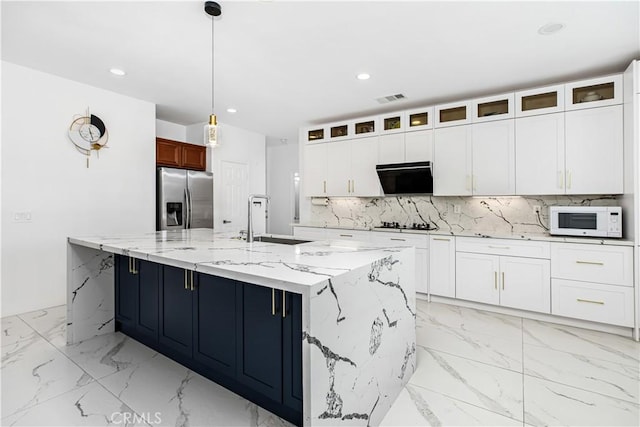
88 133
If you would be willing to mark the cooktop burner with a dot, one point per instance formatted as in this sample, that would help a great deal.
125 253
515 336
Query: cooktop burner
414 226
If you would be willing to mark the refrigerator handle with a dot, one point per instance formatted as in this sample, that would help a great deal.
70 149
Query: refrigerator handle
187 209
190 207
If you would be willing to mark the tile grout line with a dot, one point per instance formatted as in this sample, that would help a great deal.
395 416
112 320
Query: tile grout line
467 358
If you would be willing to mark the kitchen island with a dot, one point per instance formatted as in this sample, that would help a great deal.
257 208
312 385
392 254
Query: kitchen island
346 313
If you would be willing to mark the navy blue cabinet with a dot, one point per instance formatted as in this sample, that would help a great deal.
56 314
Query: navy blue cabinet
126 293
147 317
292 352
176 301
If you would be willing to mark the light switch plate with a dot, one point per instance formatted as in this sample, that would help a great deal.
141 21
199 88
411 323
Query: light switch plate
24 216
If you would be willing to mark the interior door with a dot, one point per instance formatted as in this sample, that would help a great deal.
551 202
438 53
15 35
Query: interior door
233 206
200 186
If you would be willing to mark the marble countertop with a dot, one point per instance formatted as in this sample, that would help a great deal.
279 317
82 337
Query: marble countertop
223 254
487 234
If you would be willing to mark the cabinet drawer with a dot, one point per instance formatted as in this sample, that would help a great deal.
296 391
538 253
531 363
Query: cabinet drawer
310 233
419 241
528 249
590 263
592 301
362 236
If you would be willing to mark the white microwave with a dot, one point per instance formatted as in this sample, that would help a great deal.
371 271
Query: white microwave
591 221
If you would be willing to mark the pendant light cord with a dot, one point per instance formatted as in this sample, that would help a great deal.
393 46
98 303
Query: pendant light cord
212 67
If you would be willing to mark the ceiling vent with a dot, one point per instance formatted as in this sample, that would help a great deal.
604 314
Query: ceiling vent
390 98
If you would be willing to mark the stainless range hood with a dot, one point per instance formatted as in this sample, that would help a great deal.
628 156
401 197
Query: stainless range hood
406 178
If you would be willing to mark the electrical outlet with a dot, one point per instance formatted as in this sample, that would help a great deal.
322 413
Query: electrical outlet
536 209
456 209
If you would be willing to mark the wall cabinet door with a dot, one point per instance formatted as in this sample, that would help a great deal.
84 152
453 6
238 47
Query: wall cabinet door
442 266
364 157
494 158
168 153
594 151
214 322
452 161
418 146
147 318
194 157
176 307
477 277
260 340
315 170
391 148
540 154
126 292
525 283
339 168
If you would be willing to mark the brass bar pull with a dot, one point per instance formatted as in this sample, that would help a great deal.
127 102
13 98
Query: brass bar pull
503 280
130 269
400 240
560 179
186 282
495 280
590 301
499 247
353 185
325 186
133 263
273 302
346 235
349 186
590 262
442 239
284 304
568 179
192 280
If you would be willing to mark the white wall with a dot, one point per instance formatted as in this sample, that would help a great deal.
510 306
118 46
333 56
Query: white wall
169 130
282 163
236 145
43 173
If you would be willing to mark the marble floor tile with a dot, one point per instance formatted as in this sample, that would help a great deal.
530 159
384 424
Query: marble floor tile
548 403
469 320
490 349
14 330
107 354
593 344
495 389
580 371
34 371
183 397
90 405
417 406
51 323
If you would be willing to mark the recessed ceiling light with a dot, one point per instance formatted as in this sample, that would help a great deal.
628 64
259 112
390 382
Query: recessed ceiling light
117 72
231 110
363 76
550 28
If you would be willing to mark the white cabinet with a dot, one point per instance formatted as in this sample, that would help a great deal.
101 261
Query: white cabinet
418 119
442 266
421 244
393 123
406 147
351 168
345 234
316 134
542 100
497 107
309 233
452 158
592 282
504 272
315 170
598 92
594 151
453 114
493 158
540 154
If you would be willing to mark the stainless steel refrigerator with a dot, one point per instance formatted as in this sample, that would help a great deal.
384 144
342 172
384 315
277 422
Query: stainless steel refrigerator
184 199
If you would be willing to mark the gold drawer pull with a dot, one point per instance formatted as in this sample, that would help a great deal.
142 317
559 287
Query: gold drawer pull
503 280
273 302
590 262
346 235
590 301
400 240
495 280
499 247
442 239
186 280
284 304
192 280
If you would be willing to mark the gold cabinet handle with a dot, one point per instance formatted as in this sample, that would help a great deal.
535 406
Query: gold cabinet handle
568 179
346 235
495 280
348 186
590 262
130 269
399 240
273 302
132 266
284 304
191 280
324 183
186 281
442 239
353 185
560 179
498 247
590 301
503 280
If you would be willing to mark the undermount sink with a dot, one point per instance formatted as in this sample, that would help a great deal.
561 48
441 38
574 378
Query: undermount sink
279 240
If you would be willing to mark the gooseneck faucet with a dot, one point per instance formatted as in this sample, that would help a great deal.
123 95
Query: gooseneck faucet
252 197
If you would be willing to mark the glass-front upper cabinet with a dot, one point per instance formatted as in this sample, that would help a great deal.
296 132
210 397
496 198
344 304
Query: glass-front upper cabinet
368 126
495 107
316 134
542 100
339 131
591 93
392 123
453 114
418 119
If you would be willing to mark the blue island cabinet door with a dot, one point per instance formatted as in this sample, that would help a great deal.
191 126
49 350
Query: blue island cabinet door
214 323
176 311
260 341
126 293
292 352
147 320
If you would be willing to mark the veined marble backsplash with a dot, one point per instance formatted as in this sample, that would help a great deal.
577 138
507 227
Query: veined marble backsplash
481 214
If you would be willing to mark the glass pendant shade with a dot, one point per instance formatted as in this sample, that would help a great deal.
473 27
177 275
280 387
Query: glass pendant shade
211 131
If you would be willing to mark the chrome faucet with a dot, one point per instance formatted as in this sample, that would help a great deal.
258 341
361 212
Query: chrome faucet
252 197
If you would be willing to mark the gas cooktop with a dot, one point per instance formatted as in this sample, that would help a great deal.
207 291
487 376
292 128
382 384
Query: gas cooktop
414 226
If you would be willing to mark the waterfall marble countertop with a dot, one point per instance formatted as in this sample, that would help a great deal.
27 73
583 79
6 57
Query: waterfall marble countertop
544 236
223 254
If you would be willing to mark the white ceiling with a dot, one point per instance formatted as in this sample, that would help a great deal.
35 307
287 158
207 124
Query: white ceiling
284 64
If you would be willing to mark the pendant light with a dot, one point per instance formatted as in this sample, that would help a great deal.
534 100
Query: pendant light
211 129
